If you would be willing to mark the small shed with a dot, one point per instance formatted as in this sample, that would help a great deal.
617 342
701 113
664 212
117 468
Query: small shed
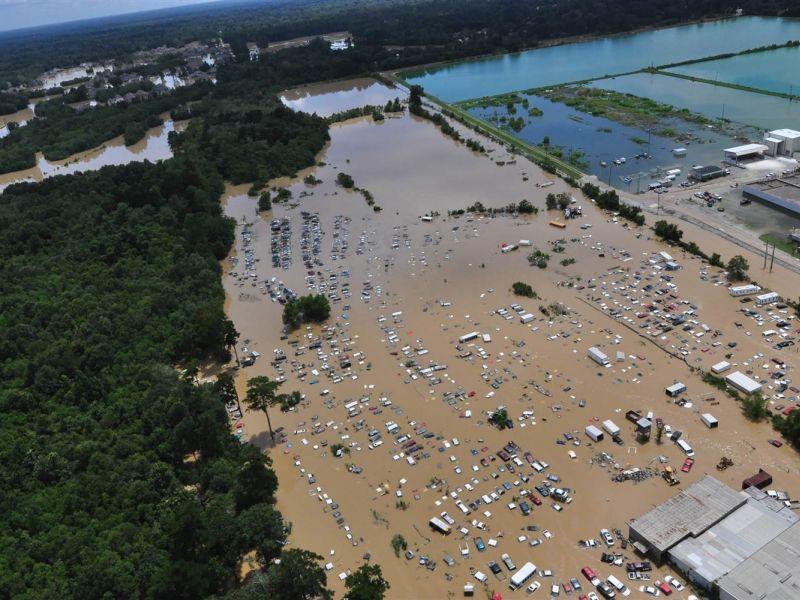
760 480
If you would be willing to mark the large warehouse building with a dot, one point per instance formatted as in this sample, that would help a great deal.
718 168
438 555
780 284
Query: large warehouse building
772 573
687 514
709 531
726 545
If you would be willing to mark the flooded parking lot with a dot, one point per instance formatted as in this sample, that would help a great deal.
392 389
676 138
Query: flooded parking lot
426 342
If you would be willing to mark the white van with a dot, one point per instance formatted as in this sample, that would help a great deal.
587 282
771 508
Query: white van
687 449
616 583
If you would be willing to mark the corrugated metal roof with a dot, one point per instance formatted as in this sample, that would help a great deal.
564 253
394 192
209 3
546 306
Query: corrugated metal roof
738 536
690 512
772 573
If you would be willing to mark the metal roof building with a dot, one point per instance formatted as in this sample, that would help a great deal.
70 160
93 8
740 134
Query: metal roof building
772 573
687 514
726 545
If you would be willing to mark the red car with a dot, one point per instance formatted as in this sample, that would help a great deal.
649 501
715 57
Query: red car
776 443
536 500
567 588
687 465
589 573
664 587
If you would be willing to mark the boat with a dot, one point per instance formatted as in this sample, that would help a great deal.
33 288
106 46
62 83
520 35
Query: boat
603 163
745 201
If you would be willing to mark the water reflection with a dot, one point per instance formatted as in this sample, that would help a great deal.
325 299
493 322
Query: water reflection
326 99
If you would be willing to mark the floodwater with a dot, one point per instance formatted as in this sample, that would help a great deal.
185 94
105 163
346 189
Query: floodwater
325 99
21 117
773 70
602 57
758 110
153 147
57 76
444 279
602 140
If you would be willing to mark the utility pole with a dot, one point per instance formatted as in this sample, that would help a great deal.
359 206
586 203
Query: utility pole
766 249
773 258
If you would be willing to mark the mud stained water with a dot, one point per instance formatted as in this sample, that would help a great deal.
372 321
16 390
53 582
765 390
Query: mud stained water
325 99
414 288
153 147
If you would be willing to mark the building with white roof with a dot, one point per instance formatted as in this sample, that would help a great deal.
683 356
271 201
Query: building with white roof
743 383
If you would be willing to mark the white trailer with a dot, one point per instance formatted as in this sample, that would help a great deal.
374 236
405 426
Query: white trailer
709 420
675 389
468 337
526 318
768 298
744 290
594 433
438 525
721 367
611 427
597 356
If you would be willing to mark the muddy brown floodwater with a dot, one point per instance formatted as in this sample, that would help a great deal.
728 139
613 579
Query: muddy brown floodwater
153 147
403 291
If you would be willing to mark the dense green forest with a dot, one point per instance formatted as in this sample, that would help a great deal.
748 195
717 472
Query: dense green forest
120 477
249 134
422 30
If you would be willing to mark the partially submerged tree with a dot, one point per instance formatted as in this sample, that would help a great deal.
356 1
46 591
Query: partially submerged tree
261 395
366 583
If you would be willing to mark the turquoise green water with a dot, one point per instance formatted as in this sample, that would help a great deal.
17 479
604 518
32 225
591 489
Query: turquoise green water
759 110
607 56
773 70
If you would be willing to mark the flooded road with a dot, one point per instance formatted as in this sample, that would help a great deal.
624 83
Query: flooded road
388 363
153 147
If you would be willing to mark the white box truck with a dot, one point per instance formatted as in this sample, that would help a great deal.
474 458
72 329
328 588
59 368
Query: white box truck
594 433
597 356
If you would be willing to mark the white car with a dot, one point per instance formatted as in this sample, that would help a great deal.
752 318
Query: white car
674 583
592 596
607 538
649 590
533 587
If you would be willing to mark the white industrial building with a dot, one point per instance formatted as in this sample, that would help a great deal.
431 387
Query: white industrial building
743 383
738 154
782 142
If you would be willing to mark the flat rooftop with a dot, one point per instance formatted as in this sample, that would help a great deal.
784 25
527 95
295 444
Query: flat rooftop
772 573
737 537
688 513
782 193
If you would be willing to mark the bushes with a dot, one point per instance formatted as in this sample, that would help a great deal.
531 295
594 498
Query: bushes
737 268
345 180
501 420
667 231
313 308
538 258
523 289
264 202
609 200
